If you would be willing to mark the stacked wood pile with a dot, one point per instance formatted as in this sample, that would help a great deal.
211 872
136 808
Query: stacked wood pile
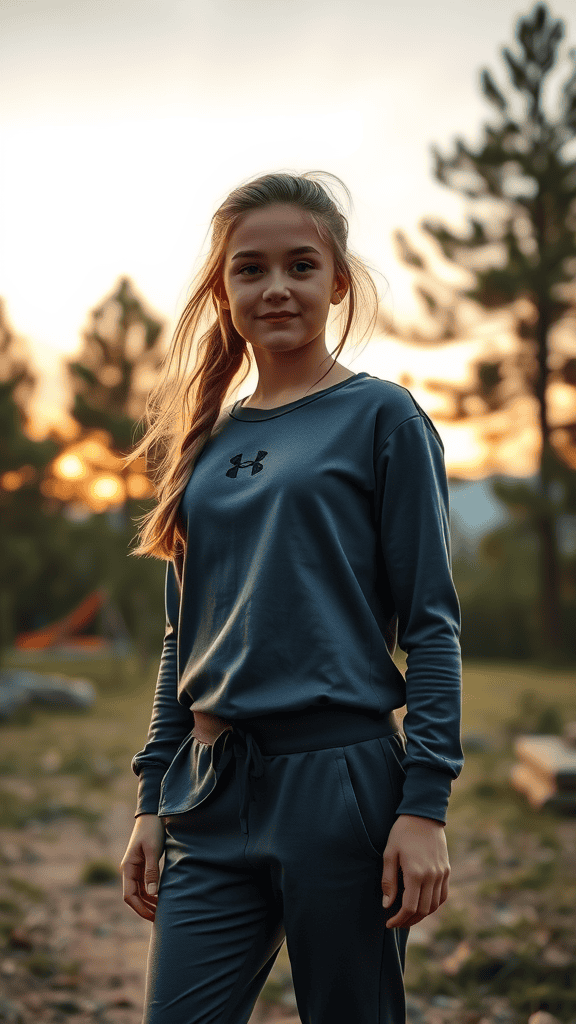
546 769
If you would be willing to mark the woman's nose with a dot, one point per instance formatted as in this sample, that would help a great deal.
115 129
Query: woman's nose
276 285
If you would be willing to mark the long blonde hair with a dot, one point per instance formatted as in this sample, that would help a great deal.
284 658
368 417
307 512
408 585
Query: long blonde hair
182 410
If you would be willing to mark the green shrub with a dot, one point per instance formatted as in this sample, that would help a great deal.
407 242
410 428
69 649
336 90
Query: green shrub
99 872
535 715
42 965
455 925
32 892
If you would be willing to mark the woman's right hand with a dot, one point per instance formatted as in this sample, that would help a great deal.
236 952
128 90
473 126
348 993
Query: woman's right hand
139 865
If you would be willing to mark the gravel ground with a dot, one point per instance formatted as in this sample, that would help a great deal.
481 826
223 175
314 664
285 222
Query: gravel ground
501 950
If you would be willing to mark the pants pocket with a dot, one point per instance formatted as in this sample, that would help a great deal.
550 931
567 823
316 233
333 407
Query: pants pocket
193 775
370 793
394 748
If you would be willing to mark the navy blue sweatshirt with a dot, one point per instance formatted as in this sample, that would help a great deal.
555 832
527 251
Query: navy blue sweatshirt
317 538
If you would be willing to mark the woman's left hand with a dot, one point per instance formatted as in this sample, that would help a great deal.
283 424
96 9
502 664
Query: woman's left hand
417 846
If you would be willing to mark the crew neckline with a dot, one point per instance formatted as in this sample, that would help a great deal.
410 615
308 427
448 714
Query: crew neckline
241 412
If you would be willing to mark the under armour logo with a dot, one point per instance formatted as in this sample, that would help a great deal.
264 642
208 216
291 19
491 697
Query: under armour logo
238 464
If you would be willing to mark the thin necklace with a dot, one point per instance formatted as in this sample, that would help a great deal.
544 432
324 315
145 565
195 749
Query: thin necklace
244 400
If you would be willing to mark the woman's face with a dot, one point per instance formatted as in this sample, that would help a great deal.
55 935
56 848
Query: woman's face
274 279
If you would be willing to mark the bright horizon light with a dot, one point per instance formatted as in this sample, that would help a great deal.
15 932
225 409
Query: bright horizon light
70 467
126 125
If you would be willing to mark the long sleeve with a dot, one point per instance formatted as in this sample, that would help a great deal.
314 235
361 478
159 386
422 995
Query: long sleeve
171 722
413 509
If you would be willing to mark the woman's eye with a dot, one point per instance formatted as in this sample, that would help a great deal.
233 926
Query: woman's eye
299 263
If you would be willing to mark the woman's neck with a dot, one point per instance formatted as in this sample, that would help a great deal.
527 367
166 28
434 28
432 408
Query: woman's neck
271 399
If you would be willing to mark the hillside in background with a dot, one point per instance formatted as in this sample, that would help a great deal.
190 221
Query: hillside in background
474 510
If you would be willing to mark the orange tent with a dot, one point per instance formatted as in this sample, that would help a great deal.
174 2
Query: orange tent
69 625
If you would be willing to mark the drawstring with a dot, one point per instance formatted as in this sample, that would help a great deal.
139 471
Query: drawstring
246 750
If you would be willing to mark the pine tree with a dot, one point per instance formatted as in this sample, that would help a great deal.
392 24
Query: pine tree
28 532
520 253
110 378
117 365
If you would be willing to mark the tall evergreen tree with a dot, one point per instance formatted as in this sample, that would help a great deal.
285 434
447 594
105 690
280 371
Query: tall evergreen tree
28 531
520 250
115 369
117 365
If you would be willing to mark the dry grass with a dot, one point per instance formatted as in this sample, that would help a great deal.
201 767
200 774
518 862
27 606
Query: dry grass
501 947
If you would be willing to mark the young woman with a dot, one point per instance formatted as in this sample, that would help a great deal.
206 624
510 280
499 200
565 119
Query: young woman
305 531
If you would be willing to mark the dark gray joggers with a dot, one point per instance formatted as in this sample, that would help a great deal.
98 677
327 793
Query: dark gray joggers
288 845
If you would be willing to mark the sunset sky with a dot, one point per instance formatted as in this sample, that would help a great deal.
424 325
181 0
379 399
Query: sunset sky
124 124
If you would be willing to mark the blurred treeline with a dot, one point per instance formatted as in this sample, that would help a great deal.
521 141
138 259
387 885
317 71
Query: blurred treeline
55 549
517 257
497 584
517 588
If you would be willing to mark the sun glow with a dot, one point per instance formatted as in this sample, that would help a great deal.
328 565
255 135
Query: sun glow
108 488
70 467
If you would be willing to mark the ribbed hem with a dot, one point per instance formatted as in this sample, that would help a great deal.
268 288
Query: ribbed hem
426 793
148 796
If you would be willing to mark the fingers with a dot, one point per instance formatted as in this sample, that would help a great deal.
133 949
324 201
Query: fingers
151 870
410 901
415 906
139 901
444 890
149 901
389 878
140 865
140 907
420 899
134 891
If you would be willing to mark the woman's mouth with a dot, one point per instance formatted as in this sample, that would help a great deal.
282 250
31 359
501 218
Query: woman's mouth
279 319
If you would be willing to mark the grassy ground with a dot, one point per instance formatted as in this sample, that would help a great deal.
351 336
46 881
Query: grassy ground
501 948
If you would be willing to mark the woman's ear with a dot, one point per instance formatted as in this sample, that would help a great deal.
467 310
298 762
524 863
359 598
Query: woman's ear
340 289
220 296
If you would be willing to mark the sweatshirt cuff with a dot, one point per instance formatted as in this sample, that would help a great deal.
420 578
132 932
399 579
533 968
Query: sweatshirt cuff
148 796
425 793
